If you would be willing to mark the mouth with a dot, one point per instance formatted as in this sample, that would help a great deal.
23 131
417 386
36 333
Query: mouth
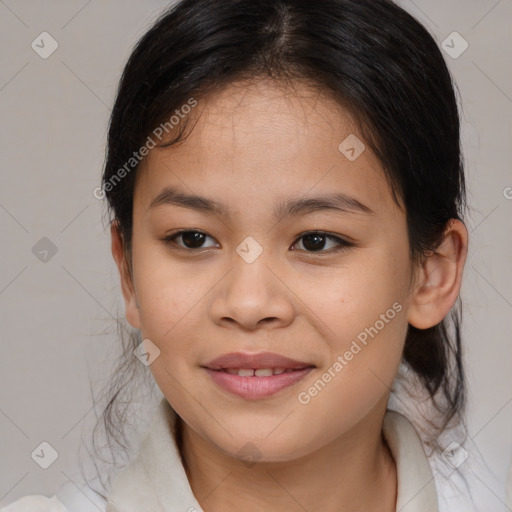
254 376
259 372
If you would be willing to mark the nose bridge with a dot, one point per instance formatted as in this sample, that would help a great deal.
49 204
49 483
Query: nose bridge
252 290
250 278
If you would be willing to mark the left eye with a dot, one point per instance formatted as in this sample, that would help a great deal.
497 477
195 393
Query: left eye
313 241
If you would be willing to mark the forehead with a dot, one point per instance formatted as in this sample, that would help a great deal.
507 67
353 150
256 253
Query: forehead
262 141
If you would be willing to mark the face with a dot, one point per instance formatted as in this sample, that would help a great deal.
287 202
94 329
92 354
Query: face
327 286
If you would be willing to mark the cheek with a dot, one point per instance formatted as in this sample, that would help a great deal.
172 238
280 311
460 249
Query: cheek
349 298
364 354
165 291
363 320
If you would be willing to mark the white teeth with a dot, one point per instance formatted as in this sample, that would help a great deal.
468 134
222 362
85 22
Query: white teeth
264 372
260 372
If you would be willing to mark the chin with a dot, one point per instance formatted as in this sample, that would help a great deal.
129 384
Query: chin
257 449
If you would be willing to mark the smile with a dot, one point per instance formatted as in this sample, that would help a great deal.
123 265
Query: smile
256 383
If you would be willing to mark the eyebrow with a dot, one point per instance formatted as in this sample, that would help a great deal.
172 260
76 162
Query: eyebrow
327 202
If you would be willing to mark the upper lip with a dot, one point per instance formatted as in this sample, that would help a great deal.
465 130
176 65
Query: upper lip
255 361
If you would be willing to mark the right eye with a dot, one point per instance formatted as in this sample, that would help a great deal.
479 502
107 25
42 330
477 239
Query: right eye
191 239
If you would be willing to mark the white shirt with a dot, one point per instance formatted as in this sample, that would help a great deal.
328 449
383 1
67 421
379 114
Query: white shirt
155 481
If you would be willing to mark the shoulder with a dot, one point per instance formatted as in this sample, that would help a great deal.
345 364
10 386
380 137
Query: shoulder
35 503
70 497
80 498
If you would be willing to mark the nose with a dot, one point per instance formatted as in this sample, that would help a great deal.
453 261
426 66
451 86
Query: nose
251 296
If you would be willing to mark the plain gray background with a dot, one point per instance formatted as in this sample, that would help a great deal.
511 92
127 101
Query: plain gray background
54 115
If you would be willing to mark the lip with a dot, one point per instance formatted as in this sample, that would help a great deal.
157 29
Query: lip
255 361
256 387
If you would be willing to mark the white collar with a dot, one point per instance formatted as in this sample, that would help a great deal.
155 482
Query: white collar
156 480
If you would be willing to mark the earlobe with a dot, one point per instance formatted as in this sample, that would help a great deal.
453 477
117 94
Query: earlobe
439 278
130 297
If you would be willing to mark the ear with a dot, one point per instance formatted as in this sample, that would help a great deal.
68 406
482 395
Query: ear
439 278
119 254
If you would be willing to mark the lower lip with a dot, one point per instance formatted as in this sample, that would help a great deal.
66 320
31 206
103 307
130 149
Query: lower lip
256 387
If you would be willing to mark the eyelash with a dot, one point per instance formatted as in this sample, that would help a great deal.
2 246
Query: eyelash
343 244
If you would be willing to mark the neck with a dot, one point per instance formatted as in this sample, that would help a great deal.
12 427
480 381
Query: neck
354 472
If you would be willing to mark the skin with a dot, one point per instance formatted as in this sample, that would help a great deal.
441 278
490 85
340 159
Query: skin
255 145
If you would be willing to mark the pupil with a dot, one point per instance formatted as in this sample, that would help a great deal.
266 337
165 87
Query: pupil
193 238
318 241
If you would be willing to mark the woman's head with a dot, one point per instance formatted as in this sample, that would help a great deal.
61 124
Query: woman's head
255 104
